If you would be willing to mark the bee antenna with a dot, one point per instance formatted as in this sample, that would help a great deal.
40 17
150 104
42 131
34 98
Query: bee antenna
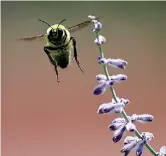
61 22
46 23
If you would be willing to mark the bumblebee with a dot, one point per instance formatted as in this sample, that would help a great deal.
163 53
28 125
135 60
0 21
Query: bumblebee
59 44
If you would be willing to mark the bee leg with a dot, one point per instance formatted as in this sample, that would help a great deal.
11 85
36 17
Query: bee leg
52 62
75 53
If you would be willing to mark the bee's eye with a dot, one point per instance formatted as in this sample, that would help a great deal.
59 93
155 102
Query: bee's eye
60 33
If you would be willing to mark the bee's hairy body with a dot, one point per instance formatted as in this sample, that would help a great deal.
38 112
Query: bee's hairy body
59 47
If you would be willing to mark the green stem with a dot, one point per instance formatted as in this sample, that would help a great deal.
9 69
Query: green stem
124 114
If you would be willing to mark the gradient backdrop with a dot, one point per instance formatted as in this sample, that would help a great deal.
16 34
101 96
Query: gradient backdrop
41 117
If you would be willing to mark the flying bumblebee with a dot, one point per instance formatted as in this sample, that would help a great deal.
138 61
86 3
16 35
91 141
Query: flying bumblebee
59 44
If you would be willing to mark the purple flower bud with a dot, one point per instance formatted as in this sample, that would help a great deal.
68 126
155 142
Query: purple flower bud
100 40
119 133
118 107
97 26
100 89
119 78
114 126
119 120
105 108
162 151
117 63
142 118
109 108
100 77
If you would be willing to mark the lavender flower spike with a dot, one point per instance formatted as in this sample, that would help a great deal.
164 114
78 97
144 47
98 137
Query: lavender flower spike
117 63
119 125
100 40
162 151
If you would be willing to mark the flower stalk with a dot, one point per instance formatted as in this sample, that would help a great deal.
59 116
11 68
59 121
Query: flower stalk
114 96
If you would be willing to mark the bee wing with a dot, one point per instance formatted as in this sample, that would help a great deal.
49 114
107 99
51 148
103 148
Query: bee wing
71 29
32 38
81 25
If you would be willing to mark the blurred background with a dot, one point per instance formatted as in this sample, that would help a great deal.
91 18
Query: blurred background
41 117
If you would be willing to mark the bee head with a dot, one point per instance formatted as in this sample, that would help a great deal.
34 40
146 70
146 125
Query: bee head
55 33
